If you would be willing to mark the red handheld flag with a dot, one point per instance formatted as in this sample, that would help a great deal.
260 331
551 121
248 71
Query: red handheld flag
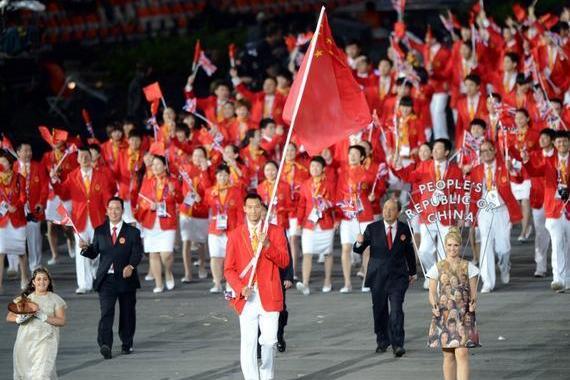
154 107
332 105
519 12
197 52
66 218
232 53
152 92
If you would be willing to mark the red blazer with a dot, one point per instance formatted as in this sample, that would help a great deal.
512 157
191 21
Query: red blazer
294 174
381 184
283 207
237 129
171 195
309 191
124 169
559 72
35 187
69 164
553 206
437 77
463 117
14 194
254 163
232 207
423 174
273 257
111 151
352 183
503 185
273 147
376 99
83 203
537 183
200 181
179 154
257 100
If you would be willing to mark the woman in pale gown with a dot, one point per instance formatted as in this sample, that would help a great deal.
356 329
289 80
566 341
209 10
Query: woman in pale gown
35 350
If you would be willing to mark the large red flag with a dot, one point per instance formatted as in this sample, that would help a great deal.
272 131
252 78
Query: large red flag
332 105
152 92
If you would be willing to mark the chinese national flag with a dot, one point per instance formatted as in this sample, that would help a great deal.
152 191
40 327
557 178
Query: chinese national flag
333 105
152 92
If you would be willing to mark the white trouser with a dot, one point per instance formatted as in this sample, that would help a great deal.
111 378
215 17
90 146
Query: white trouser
541 239
85 268
495 229
34 242
438 117
431 235
13 262
252 319
559 230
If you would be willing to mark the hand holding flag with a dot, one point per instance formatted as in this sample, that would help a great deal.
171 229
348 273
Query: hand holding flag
66 218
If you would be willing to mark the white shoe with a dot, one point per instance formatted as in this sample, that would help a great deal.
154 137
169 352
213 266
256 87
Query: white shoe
72 253
539 274
360 274
505 277
52 261
345 290
327 289
215 290
149 277
365 289
202 274
303 289
426 284
228 288
196 263
80 291
486 289
170 284
555 285
23 285
158 290
321 259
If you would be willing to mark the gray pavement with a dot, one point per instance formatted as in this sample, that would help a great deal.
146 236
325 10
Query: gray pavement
189 334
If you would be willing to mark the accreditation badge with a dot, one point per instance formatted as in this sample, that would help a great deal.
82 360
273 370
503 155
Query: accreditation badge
314 216
161 210
492 198
190 199
3 208
222 222
437 197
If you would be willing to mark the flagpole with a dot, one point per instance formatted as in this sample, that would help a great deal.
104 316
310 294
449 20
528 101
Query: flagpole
288 140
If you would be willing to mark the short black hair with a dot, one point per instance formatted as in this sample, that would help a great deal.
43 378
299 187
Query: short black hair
21 144
359 148
556 100
320 160
446 143
271 162
265 122
95 147
473 78
513 56
84 149
548 132
252 195
118 199
479 122
223 168
135 133
522 79
562 135
406 101
523 111
403 81
387 60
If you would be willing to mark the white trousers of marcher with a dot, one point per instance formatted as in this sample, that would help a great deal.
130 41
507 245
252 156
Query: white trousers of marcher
438 116
85 268
34 242
541 239
252 319
495 229
432 236
559 230
13 262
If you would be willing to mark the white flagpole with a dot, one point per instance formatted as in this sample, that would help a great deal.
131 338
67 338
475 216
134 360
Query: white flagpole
254 261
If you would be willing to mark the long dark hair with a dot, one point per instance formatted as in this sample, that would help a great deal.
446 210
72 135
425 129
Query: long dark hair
30 288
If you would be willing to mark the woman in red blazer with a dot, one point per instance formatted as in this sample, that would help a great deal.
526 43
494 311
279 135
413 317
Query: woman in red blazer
223 201
157 199
282 207
12 217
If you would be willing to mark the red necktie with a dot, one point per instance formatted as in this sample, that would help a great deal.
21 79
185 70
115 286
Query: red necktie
389 237
114 235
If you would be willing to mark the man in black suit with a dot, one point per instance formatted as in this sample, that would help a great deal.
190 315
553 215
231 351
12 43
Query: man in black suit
120 247
391 269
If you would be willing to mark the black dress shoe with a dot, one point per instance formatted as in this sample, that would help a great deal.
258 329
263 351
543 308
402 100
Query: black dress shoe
399 352
281 345
381 348
106 351
127 350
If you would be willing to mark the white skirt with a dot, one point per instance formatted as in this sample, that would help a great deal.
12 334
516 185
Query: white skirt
51 209
157 239
193 229
294 229
317 241
521 190
217 245
13 240
349 230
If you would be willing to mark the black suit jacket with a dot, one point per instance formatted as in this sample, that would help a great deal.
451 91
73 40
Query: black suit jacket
388 267
127 250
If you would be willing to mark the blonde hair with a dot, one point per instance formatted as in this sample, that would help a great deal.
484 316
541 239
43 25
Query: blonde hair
454 234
